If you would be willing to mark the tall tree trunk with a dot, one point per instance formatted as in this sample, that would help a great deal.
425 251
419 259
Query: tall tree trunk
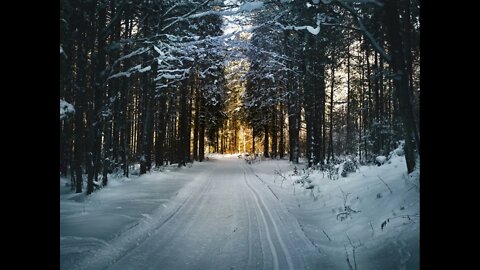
401 82
106 154
147 134
253 141
332 85
274 132
91 123
196 125
265 141
293 121
160 131
349 139
382 110
100 95
216 141
182 126
201 142
319 108
80 103
292 108
188 129
364 115
377 130
282 137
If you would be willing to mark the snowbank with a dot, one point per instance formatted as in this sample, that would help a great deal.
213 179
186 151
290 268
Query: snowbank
373 212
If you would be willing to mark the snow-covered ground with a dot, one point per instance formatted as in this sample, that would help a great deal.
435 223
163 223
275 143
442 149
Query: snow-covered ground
381 223
227 214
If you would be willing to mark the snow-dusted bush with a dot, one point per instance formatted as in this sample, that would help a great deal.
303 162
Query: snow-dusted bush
348 167
380 160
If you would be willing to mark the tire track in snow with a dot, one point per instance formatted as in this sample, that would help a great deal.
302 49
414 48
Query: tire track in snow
250 243
126 242
269 238
310 241
263 182
259 202
186 207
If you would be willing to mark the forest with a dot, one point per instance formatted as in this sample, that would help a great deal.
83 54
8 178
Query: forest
154 83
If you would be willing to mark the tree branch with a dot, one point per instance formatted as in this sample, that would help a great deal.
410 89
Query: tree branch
365 32
181 18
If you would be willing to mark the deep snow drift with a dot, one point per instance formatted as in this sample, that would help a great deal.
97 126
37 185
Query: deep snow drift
228 214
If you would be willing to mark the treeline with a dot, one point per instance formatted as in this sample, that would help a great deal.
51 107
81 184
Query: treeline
343 75
142 82
136 77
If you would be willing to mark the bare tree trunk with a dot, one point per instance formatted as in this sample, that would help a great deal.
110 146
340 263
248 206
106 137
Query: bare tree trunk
412 138
182 126
282 139
201 143
265 142
196 128
253 140
274 132
349 140
332 85
80 104
160 132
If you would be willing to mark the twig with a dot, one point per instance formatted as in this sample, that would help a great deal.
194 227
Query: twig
281 175
391 192
373 231
406 216
354 247
344 197
348 260
350 241
327 236
354 259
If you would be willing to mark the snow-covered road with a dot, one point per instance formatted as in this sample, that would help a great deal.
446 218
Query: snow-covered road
224 217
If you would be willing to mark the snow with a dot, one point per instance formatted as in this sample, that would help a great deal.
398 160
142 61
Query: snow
129 72
381 159
66 109
246 7
227 214
320 211
134 53
62 52
249 6
145 69
313 31
169 76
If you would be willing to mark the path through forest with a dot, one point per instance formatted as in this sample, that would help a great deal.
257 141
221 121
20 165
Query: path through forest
215 215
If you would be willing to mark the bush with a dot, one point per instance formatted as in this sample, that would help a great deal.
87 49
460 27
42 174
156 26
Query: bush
380 160
348 167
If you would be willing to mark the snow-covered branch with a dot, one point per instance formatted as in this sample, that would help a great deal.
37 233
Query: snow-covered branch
134 53
364 30
246 7
182 18
130 71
